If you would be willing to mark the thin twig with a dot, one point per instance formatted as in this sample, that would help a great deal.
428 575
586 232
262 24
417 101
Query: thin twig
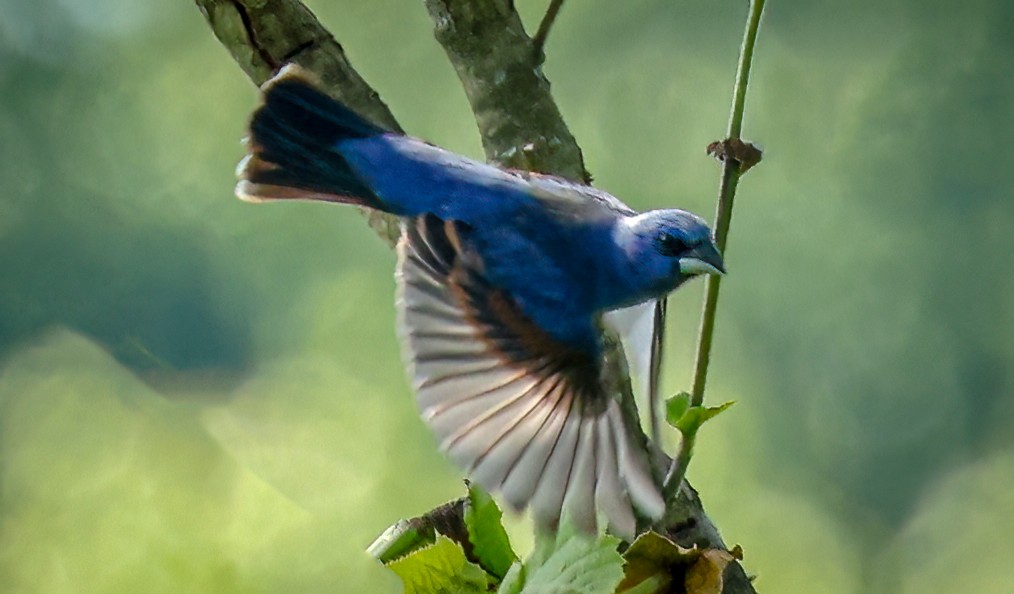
726 193
655 372
539 41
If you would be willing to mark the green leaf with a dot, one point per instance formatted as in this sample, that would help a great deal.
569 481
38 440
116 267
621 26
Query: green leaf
514 581
401 539
652 585
575 564
490 544
440 569
545 544
695 416
676 407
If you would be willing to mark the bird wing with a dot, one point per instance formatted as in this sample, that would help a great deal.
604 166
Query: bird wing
566 198
523 414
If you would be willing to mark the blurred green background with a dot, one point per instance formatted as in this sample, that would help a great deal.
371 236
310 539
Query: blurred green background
202 395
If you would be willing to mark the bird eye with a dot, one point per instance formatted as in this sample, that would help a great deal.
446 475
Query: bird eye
670 245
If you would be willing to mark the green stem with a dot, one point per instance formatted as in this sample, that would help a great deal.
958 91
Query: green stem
723 217
743 72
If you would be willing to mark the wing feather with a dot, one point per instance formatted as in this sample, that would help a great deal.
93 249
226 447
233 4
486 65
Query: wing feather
503 456
522 413
579 502
519 486
609 495
547 501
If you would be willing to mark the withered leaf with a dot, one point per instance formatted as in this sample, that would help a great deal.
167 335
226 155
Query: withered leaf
705 575
656 564
744 153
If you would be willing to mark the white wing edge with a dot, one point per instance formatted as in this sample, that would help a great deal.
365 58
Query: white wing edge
635 326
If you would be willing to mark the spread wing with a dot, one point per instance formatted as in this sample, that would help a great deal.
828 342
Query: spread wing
523 414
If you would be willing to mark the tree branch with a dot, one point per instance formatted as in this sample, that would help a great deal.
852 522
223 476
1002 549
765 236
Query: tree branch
521 126
264 35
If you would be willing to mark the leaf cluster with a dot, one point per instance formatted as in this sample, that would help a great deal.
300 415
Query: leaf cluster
428 561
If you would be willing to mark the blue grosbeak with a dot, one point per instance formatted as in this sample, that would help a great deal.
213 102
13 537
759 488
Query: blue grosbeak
503 277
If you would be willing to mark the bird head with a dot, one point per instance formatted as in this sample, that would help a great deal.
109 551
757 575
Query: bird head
667 247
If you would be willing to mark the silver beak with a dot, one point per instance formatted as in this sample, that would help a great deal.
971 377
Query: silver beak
704 259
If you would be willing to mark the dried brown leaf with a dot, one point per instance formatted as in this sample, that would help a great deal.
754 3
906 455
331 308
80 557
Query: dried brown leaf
705 575
745 154
668 567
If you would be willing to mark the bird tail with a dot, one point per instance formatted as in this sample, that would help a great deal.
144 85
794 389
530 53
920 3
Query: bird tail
295 146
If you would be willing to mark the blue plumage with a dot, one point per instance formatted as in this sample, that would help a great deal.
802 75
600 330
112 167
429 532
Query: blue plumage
503 278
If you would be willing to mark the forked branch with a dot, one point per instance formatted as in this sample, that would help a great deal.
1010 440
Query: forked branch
517 117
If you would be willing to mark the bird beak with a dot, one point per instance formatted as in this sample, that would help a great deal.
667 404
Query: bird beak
704 259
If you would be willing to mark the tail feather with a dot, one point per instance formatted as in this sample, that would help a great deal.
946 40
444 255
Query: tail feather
294 146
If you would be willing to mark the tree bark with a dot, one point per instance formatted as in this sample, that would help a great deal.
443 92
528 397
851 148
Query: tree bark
501 73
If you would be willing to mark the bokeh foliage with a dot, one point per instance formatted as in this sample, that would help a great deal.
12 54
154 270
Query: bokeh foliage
202 395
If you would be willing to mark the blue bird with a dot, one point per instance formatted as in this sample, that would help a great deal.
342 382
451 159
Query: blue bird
503 279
